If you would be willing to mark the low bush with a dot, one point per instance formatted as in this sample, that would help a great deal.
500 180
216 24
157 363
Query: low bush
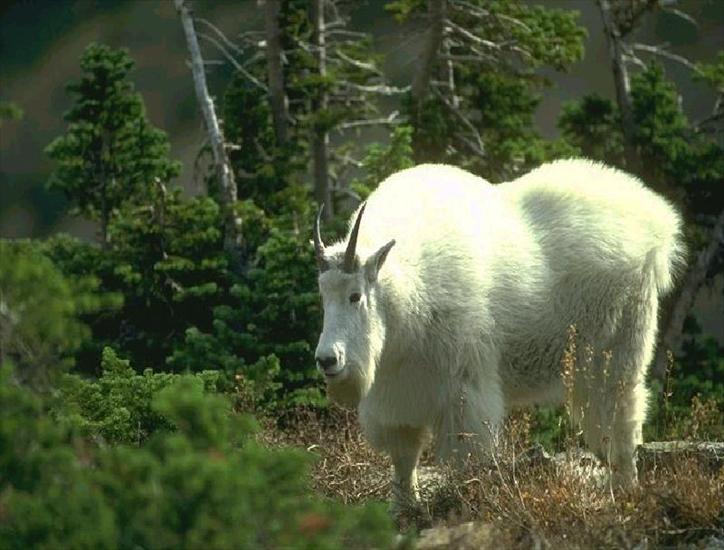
200 479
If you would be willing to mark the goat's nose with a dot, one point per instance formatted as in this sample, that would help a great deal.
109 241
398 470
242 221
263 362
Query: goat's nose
327 362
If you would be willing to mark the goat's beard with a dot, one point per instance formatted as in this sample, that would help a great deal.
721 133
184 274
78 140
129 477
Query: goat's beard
352 388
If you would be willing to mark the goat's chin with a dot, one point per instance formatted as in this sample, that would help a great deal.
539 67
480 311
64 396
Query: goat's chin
348 388
344 393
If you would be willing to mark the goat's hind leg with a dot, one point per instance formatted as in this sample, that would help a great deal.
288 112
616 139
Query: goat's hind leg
611 417
610 399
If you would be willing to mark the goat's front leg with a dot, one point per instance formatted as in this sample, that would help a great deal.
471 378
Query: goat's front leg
404 445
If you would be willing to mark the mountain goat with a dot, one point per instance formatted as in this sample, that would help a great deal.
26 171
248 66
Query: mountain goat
450 301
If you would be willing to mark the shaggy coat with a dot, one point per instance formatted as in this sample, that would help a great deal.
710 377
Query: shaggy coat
461 298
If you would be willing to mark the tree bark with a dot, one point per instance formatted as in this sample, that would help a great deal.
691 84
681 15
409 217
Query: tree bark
320 138
433 42
671 334
228 195
621 82
275 74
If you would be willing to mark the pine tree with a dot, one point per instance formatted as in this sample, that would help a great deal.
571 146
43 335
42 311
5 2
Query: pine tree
475 90
111 154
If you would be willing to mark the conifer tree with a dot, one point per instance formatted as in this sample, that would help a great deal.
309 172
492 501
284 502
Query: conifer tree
475 89
110 154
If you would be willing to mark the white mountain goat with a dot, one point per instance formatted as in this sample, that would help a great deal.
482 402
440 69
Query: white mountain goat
450 302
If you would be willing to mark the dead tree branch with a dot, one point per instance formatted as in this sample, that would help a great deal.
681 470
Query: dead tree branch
320 140
275 74
433 41
228 196
616 53
391 120
661 52
231 59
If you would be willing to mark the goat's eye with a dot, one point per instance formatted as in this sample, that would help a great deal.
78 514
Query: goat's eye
354 297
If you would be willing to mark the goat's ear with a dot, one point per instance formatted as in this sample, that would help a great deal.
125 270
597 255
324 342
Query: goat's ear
374 262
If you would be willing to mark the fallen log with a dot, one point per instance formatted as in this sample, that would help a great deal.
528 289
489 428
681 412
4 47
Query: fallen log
657 454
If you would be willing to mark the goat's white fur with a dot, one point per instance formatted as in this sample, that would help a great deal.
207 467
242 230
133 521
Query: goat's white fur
469 314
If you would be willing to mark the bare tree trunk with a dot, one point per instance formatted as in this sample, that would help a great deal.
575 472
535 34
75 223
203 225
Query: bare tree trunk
321 137
621 81
105 221
232 221
433 41
275 75
102 178
105 214
671 334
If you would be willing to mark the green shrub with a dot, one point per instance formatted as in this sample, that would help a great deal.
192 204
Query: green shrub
40 309
205 483
117 406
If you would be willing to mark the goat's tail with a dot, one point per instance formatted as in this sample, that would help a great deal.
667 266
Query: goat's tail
667 260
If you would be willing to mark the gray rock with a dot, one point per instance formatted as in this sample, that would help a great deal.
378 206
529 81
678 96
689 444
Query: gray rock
466 536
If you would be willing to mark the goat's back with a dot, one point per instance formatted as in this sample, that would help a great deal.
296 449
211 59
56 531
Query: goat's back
595 220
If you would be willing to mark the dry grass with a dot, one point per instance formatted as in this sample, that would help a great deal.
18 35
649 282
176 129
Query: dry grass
529 500
347 468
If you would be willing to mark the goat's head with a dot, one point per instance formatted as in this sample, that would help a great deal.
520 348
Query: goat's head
353 332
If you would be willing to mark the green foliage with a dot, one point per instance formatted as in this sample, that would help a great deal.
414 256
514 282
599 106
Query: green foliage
549 426
39 310
267 330
487 125
46 495
283 305
166 260
382 161
9 111
262 167
403 9
169 264
673 153
712 73
699 369
548 36
110 154
592 126
181 306
207 483
545 36
267 170
117 406
506 105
